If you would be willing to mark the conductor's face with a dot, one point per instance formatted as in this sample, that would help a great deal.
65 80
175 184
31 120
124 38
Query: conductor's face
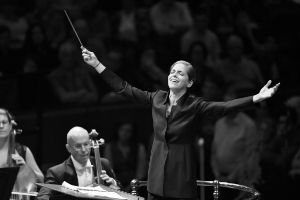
79 146
178 78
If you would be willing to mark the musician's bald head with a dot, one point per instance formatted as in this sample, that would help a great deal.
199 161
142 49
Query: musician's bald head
78 144
75 133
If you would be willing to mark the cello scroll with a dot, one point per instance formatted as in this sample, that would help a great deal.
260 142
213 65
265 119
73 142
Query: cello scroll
95 144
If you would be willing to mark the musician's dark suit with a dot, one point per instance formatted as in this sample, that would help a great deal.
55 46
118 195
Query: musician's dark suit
66 172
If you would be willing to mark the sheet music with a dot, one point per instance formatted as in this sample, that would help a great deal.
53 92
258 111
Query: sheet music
97 191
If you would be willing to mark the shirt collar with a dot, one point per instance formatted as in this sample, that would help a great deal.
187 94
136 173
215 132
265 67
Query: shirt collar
78 166
180 101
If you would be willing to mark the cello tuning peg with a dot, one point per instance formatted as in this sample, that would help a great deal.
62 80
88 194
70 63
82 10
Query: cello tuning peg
14 123
18 131
101 141
93 134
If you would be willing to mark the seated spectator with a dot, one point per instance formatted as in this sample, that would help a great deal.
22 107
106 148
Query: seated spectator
152 77
234 156
200 32
37 50
11 17
125 22
207 83
170 17
71 82
239 72
11 58
127 156
279 155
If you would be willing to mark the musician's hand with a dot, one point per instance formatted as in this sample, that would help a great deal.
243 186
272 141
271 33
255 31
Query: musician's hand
18 159
107 179
89 57
265 92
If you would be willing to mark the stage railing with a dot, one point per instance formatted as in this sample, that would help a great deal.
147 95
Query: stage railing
254 194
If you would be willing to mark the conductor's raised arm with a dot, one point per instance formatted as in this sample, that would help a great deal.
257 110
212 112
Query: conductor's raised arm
265 92
90 58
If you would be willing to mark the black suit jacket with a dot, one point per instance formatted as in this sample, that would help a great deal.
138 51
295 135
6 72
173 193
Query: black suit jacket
66 172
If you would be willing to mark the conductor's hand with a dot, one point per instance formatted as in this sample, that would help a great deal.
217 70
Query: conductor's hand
265 92
89 57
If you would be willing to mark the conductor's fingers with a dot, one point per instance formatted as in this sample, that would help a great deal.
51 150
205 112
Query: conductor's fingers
268 84
276 86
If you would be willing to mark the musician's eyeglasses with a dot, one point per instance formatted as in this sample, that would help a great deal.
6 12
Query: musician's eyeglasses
78 147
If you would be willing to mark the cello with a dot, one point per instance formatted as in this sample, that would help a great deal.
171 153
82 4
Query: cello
24 187
95 144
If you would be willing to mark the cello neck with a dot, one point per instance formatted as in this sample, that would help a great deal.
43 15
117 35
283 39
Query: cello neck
98 164
95 145
11 149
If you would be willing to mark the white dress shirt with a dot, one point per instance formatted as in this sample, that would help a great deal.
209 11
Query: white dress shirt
85 173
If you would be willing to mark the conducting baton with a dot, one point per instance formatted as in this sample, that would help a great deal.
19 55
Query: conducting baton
81 46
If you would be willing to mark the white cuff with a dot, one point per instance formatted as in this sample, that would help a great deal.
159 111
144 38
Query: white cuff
100 68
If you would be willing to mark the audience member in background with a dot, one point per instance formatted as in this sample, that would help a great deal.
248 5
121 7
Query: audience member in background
11 58
207 83
127 156
71 82
170 19
238 71
279 154
11 17
79 169
125 22
21 156
234 154
57 27
37 49
152 76
200 32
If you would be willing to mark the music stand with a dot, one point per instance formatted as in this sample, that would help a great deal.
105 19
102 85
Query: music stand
8 176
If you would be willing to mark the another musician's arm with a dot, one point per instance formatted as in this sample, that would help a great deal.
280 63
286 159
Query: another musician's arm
31 163
51 178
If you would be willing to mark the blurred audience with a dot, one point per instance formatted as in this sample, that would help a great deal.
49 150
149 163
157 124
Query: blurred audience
127 156
200 32
37 50
238 71
71 82
152 76
170 17
279 152
234 154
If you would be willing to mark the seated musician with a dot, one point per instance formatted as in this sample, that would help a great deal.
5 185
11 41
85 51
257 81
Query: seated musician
79 169
13 154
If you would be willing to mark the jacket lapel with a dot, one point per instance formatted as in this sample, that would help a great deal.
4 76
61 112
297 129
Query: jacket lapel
71 176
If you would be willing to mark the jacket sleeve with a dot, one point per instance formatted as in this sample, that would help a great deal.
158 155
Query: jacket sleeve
45 193
219 109
123 88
